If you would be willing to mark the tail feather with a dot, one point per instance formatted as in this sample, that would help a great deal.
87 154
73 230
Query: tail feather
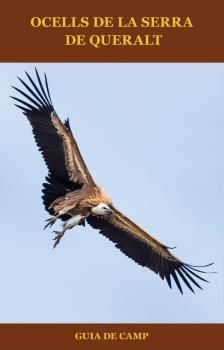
55 188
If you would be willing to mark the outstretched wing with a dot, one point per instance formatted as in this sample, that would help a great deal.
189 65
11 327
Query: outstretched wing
67 170
145 249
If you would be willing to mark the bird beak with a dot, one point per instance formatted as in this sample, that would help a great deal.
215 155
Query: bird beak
110 211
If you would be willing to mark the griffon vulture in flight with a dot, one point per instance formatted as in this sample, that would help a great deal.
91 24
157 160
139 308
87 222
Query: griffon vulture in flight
71 194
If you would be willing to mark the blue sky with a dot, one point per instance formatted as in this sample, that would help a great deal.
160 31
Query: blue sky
152 136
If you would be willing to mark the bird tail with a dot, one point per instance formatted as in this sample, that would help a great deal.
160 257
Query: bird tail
53 189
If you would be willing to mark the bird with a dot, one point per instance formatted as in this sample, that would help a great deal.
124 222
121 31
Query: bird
70 193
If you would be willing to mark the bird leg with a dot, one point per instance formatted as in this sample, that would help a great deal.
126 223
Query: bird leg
53 219
70 223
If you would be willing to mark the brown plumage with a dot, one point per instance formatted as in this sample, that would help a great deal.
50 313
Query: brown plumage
81 201
71 194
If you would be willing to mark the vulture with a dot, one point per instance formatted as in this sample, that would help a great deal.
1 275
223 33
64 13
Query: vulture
71 194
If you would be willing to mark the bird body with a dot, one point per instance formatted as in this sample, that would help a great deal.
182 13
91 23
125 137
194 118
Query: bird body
81 201
71 194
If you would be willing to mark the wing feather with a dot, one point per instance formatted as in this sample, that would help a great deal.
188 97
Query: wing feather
54 139
145 249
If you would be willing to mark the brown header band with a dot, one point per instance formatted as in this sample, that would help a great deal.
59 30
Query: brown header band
119 31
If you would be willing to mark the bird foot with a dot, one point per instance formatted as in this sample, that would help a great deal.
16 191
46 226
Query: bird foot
58 237
50 221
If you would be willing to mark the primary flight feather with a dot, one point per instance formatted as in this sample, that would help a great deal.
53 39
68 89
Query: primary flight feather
71 194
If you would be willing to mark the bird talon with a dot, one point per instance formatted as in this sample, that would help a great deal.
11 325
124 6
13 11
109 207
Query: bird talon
50 221
57 238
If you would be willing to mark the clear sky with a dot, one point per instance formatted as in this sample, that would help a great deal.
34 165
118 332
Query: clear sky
152 136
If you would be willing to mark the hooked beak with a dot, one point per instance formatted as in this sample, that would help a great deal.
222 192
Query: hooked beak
110 211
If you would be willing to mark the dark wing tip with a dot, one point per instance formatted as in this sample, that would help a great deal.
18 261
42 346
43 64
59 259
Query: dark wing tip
210 264
197 267
47 87
187 273
37 93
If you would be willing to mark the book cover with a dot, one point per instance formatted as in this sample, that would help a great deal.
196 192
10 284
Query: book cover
142 86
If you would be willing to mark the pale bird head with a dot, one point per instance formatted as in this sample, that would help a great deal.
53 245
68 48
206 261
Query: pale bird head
102 209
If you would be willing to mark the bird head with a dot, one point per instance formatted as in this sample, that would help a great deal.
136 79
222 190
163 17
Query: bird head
102 209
